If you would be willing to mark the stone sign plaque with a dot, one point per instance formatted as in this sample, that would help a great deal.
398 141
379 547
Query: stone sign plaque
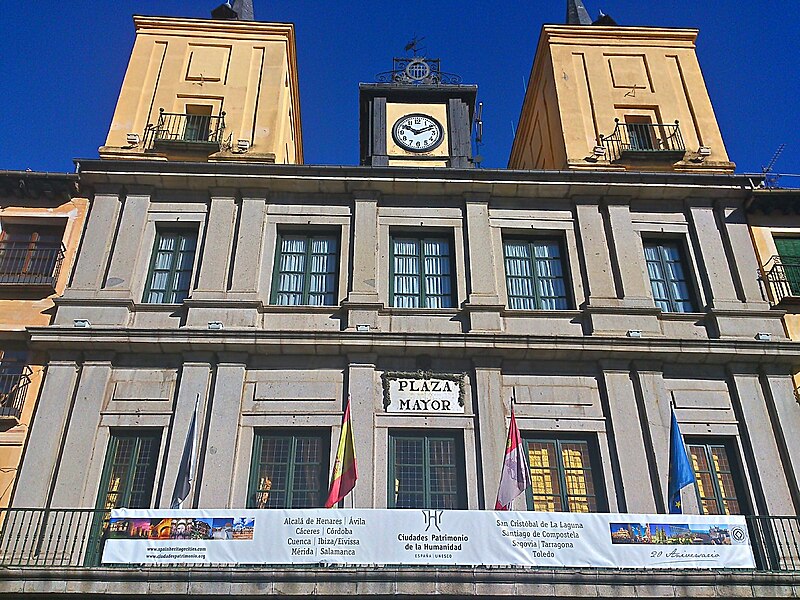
423 392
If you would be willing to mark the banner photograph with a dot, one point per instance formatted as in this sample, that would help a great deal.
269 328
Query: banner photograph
427 537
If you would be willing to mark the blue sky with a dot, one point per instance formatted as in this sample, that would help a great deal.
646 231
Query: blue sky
63 63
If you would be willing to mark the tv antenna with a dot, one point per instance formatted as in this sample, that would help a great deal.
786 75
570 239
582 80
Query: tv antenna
770 178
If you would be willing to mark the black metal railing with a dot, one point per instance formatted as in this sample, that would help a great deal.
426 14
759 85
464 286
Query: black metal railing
14 381
782 277
644 140
30 263
74 537
776 542
182 129
37 537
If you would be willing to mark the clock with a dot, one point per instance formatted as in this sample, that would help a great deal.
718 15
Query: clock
417 132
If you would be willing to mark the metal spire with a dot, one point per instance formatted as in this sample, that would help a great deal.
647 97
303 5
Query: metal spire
244 8
240 10
577 14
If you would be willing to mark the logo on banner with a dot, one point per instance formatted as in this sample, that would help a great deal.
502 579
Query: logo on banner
433 518
738 534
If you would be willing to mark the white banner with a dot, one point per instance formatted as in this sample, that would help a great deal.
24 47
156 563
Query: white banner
427 537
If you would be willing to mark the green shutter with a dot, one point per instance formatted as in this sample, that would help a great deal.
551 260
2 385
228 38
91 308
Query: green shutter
789 251
788 247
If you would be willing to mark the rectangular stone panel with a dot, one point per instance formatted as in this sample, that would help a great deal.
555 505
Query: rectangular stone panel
207 63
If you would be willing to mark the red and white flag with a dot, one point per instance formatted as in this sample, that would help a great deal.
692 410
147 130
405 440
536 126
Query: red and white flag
516 476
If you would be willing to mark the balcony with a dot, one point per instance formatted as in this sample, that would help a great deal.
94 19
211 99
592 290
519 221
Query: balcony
30 264
644 141
782 278
74 537
185 132
14 380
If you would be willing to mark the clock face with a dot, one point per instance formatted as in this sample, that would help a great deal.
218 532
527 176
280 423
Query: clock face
417 133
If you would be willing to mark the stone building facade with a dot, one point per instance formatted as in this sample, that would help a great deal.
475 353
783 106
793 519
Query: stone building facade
598 298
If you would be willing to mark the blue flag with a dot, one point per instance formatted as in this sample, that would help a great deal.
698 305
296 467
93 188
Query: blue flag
681 473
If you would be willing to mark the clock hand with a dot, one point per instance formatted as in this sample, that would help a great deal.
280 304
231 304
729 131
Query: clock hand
429 127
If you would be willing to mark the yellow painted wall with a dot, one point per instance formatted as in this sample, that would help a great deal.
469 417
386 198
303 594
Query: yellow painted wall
16 314
247 69
584 77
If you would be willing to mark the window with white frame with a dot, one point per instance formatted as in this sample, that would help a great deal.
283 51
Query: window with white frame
305 270
535 274
421 272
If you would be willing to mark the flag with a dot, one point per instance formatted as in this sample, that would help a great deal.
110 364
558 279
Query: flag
183 483
516 476
345 473
681 473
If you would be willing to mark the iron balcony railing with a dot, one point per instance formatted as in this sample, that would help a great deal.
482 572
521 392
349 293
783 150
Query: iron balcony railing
644 140
30 263
782 277
14 381
185 130
74 537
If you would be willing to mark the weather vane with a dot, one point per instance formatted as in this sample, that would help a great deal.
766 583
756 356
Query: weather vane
414 45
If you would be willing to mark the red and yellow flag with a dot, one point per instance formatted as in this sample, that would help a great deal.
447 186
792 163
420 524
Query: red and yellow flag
345 473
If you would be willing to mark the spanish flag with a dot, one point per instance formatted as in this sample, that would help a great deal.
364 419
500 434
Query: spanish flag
345 473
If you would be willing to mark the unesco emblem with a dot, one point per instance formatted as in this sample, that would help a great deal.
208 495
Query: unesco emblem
738 534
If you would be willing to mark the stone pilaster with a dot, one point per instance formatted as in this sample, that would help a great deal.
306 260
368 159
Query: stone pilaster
76 485
195 380
635 494
95 249
218 455
249 246
483 304
362 303
39 466
215 261
126 251
771 490
365 398
490 412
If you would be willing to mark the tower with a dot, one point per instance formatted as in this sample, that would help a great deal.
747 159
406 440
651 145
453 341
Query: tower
416 115
602 96
219 89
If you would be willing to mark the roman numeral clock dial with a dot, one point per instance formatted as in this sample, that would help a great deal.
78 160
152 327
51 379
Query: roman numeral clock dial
417 133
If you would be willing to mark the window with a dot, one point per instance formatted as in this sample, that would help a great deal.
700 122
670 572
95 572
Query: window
198 123
14 379
535 275
562 479
640 132
170 274
305 271
127 481
129 471
789 254
289 470
421 274
716 477
667 270
30 254
426 471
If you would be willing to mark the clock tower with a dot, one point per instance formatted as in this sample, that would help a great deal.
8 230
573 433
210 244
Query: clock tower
417 115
